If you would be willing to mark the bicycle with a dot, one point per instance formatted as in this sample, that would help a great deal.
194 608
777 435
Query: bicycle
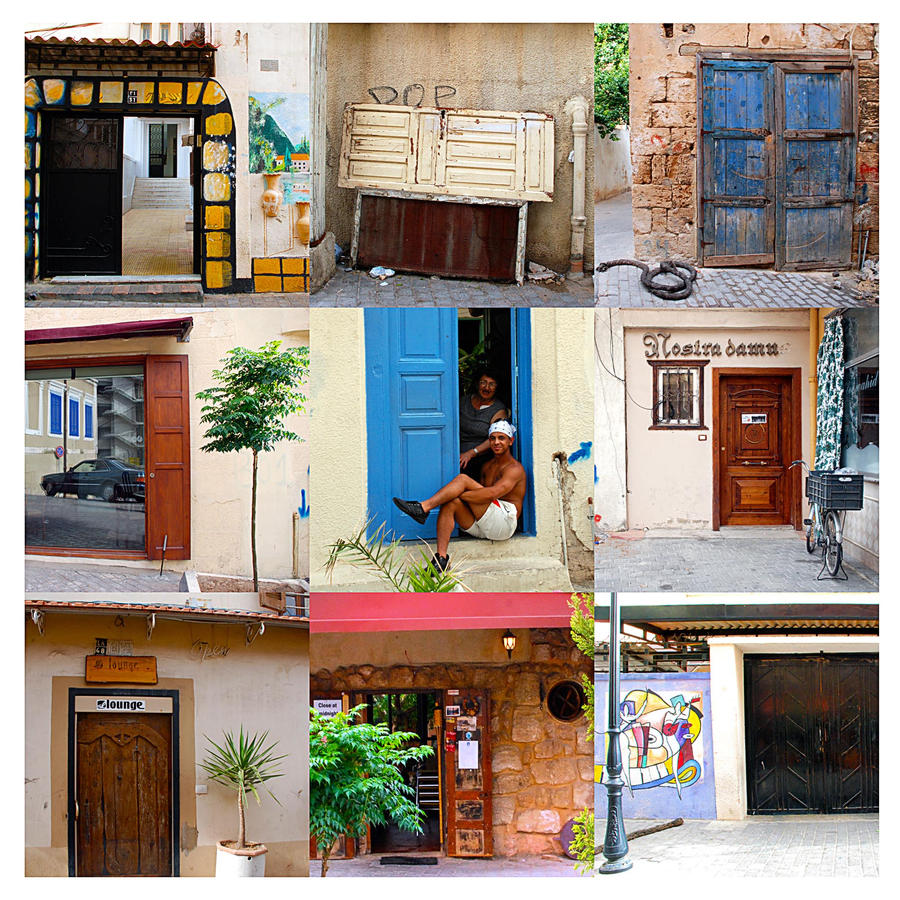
830 496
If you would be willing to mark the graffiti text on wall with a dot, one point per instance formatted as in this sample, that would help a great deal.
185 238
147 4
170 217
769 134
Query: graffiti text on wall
658 738
411 95
658 345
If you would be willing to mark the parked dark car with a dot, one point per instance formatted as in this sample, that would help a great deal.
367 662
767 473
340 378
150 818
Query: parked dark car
107 479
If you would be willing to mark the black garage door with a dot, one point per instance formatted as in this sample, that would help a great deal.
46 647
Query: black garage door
812 733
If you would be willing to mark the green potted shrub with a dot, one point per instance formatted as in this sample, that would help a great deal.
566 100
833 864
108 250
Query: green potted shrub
241 765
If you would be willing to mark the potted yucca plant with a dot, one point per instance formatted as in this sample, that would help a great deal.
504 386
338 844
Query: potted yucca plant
241 764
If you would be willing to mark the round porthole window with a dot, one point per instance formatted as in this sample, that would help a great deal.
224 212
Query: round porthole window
565 701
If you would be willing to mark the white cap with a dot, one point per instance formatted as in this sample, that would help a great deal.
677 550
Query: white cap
503 427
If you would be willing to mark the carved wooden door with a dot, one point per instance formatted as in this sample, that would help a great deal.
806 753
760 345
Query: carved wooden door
123 794
754 446
467 773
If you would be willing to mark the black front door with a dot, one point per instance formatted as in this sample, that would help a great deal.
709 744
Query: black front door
812 733
82 208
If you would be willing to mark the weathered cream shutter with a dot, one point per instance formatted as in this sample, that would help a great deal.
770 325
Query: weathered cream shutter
462 153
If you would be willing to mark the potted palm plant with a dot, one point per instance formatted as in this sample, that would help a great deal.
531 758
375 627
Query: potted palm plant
241 764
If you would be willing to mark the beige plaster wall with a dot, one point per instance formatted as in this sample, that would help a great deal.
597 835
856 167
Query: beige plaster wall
726 659
517 67
663 119
670 472
610 489
240 46
253 686
562 403
612 164
220 483
542 768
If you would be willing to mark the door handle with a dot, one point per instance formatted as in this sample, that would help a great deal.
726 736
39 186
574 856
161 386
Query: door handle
152 475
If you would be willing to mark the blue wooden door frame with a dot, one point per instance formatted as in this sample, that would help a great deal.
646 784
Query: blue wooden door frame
412 410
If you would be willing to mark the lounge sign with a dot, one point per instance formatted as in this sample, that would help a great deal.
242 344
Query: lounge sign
102 669
660 346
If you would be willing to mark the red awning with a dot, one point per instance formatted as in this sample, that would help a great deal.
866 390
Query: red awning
341 612
178 328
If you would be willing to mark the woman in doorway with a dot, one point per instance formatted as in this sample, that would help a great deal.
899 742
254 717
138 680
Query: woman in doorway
476 413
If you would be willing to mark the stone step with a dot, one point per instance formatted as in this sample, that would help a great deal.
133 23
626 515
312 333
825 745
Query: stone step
151 290
163 193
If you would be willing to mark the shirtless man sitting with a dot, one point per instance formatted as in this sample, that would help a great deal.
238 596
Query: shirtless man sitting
489 509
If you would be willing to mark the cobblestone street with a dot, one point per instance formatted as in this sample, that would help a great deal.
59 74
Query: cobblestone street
447 867
760 846
356 288
731 559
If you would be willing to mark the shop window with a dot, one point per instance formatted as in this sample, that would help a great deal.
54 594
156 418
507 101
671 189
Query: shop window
677 395
566 701
859 433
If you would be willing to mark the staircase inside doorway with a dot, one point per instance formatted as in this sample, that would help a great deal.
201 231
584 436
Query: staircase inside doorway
158 229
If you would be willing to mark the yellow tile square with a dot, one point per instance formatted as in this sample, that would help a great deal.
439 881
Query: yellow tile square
262 266
263 284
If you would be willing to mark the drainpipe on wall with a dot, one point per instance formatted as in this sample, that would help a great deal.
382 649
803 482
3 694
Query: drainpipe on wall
321 241
577 108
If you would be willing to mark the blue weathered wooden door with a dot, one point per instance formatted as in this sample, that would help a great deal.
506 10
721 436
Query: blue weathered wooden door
777 163
412 411
738 163
520 401
815 164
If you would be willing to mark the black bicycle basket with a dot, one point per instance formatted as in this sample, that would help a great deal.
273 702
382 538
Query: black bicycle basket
833 491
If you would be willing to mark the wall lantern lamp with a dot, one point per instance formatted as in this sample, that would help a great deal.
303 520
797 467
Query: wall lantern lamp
509 642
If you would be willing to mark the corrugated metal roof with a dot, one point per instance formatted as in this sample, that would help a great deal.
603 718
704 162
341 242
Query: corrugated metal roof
117 42
199 613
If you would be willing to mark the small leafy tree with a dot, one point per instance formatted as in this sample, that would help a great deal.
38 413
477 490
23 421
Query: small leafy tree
355 778
610 77
241 765
401 569
257 391
582 627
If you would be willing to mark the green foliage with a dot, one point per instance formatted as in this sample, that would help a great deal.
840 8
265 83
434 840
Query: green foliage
402 569
610 77
582 628
583 841
257 390
355 778
242 765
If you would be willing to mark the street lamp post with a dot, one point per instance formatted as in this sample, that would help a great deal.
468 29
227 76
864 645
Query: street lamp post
615 845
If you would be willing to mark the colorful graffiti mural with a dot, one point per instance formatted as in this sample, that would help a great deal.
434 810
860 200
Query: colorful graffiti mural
658 738
665 742
279 133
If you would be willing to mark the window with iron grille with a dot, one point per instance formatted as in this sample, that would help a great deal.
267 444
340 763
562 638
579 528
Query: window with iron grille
678 394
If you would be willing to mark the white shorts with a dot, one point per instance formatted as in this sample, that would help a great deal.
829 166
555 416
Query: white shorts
497 523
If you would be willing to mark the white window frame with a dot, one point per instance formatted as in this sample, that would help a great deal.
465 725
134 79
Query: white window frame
60 391
691 367
40 410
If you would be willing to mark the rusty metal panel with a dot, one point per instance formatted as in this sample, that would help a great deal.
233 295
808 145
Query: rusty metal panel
456 152
430 237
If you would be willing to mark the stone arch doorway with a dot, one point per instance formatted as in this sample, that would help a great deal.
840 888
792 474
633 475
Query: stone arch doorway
109 99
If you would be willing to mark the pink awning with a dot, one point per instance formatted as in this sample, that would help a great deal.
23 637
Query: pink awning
178 328
341 612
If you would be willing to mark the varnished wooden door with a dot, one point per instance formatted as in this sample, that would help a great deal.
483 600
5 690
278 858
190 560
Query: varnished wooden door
755 441
123 794
468 790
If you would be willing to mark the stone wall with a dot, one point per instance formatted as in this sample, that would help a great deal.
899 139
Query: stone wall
542 768
663 99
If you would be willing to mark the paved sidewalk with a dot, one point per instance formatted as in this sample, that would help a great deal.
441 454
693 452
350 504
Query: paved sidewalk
369 866
62 577
744 288
731 559
844 846
356 288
